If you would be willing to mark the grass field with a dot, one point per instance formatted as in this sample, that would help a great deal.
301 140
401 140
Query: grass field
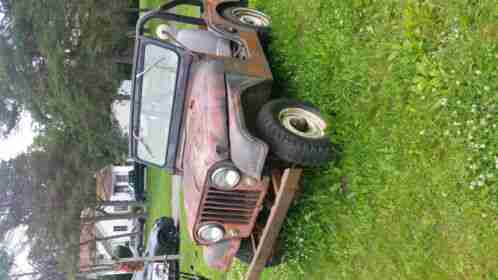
158 196
412 91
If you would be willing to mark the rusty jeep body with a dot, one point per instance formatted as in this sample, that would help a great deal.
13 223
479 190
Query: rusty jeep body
200 109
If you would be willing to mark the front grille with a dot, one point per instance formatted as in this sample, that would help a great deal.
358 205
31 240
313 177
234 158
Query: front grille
233 207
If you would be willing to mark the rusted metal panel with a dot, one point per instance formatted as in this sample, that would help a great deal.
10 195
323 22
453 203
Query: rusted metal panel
255 64
221 254
248 153
207 143
236 210
288 187
206 132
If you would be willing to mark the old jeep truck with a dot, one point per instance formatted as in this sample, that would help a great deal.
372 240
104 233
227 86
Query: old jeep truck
201 109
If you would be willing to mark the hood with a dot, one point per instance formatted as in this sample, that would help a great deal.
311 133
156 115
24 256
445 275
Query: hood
206 132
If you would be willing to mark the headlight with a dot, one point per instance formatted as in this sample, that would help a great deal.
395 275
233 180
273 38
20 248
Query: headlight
211 233
225 177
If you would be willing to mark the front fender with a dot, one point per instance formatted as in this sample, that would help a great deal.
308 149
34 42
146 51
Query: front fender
247 152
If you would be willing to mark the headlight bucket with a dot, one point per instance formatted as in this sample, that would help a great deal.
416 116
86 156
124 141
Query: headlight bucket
211 233
225 177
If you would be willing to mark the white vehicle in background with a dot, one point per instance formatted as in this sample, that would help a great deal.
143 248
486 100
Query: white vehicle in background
163 239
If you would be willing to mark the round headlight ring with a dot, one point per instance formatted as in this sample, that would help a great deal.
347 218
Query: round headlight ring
211 233
225 177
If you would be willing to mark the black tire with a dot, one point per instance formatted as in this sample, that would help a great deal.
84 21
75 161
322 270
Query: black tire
169 238
246 253
230 14
311 148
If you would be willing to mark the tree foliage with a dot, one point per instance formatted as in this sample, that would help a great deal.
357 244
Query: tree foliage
56 61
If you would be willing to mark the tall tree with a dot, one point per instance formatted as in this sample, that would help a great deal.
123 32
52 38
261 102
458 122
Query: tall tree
56 61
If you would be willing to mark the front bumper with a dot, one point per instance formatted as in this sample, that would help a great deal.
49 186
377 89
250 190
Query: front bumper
220 255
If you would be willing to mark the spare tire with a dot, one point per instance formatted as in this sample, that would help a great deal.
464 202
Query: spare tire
295 132
247 18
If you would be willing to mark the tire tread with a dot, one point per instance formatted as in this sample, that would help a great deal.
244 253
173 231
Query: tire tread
286 145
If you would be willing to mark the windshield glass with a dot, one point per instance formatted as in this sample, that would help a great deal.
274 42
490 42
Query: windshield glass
158 82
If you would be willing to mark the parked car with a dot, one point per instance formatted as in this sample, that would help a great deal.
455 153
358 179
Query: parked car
163 239
201 108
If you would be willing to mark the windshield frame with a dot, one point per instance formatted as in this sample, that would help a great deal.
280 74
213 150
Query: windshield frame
136 101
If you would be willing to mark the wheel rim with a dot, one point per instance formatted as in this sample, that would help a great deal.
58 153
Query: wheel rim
302 122
251 17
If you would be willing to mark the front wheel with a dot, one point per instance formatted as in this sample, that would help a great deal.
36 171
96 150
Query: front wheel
247 17
295 132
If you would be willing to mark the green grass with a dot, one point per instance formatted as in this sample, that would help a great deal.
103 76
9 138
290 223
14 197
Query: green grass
412 91
150 4
158 196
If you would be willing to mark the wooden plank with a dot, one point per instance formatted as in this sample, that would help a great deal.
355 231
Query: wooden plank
276 177
289 185
253 243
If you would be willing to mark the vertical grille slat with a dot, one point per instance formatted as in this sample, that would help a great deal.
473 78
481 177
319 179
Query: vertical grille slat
235 207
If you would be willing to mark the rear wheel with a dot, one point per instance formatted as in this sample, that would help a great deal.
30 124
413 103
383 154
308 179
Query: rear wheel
247 17
295 132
